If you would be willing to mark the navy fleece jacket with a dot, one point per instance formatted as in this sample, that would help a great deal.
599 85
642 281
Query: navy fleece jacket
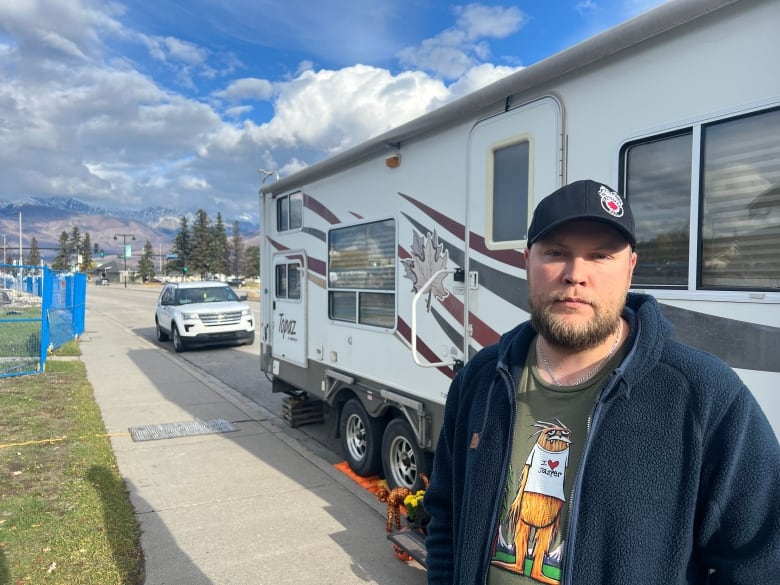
679 481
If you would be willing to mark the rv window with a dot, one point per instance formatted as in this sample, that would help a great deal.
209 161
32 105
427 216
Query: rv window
294 281
289 212
282 214
738 224
281 281
740 221
509 196
361 273
377 309
288 281
342 306
659 190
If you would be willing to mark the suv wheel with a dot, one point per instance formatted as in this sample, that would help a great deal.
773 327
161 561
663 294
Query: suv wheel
161 335
178 344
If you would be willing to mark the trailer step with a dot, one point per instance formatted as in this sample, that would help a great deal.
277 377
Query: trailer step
410 542
302 411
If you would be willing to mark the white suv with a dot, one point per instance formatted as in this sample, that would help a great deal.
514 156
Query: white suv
202 313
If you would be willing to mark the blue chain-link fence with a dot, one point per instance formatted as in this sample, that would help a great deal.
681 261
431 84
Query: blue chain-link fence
40 309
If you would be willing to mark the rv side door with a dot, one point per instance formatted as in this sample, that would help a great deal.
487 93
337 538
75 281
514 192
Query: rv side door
512 156
288 336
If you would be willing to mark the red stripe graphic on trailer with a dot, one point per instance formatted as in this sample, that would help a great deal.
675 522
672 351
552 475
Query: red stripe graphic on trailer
317 266
452 226
406 332
481 331
315 206
476 242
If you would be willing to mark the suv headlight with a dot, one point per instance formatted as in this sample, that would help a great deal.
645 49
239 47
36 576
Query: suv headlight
190 316
246 312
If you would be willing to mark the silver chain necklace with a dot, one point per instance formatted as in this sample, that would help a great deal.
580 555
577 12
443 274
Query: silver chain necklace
590 373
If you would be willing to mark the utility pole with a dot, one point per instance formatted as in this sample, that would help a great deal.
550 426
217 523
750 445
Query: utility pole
124 249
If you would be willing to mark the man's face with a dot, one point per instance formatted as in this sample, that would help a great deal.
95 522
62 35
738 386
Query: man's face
578 277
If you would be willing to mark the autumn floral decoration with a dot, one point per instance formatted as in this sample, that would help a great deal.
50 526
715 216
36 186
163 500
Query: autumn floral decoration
414 507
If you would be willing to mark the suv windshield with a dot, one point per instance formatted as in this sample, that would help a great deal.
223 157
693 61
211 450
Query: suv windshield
209 294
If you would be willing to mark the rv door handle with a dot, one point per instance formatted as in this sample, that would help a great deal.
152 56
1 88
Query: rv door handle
415 300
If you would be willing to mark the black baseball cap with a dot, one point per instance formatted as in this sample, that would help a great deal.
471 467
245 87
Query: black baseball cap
583 200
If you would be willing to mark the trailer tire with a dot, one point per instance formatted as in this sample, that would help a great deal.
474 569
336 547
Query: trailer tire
403 460
361 438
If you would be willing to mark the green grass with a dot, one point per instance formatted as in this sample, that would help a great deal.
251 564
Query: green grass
71 348
65 514
20 333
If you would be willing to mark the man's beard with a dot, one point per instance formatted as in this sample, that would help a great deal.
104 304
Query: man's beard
577 338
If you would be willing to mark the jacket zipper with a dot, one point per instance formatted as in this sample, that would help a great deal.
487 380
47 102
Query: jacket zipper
509 381
568 557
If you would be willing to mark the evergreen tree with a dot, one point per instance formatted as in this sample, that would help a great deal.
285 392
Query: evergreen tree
252 265
34 259
201 258
86 254
146 263
62 260
236 251
220 252
74 243
181 247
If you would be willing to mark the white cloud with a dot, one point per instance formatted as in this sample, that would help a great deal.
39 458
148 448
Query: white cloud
479 21
53 29
332 110
453 52
247 88
84 118
193 183
238 111
478 77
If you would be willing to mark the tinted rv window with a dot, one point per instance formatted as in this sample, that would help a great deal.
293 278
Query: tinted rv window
281 281
737 227
509 197
289 212
361 273
288 281
659 190
740 220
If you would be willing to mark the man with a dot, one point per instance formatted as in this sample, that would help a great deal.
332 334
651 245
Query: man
589 447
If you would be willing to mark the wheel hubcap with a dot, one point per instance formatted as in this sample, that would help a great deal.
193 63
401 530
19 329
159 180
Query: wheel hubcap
356 437
403 462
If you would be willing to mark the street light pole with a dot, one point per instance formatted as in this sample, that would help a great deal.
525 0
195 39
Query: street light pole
124 250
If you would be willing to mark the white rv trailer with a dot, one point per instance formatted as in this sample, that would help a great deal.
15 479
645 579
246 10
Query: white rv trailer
386 267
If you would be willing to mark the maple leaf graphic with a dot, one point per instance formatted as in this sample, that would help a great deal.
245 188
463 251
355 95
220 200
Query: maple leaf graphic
428 257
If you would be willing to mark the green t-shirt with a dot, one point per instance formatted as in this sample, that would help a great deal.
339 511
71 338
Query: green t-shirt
549 435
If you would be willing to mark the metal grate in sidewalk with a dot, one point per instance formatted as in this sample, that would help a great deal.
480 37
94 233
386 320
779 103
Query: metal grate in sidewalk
180 429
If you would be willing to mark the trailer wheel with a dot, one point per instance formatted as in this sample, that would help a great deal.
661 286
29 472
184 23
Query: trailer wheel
403 460
361 439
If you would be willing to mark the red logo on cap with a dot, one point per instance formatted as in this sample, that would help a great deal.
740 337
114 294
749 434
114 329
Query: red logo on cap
611 202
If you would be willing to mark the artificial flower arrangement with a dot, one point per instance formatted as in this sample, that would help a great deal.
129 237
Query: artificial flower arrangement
416 515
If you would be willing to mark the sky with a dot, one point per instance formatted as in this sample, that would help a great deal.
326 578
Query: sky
178 103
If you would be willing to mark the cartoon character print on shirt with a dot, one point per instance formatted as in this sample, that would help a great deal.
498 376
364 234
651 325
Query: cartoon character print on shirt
532 521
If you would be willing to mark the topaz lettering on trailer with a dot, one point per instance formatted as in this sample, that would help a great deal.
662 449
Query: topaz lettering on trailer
287 327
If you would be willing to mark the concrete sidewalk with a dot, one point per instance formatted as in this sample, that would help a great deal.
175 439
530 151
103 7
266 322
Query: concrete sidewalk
252 506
